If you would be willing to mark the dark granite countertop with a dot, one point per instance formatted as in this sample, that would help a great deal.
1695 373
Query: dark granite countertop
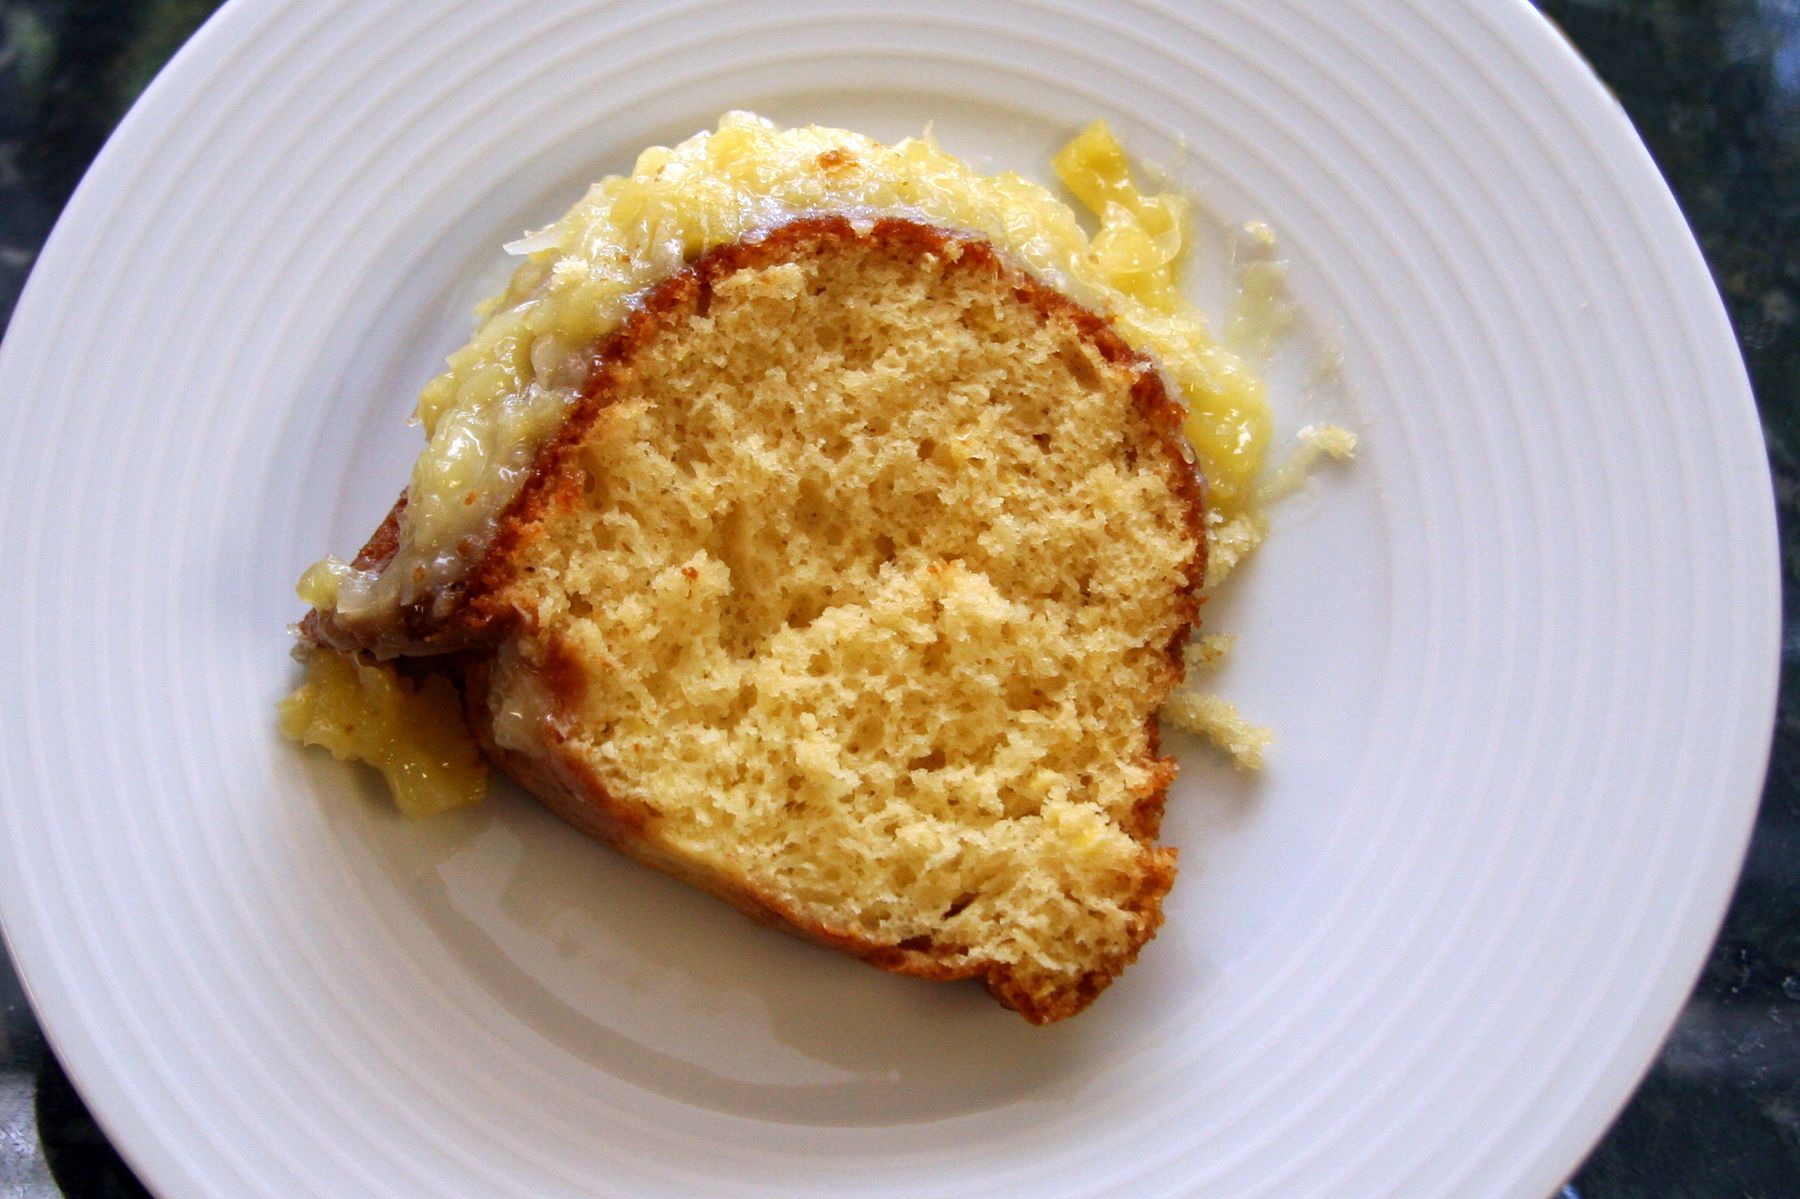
1714 88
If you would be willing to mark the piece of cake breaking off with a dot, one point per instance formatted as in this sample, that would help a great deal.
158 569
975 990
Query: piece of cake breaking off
797 523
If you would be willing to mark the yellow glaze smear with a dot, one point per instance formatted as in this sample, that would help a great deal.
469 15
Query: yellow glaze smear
511 385
364 711
1316 442
1134 261
1262 313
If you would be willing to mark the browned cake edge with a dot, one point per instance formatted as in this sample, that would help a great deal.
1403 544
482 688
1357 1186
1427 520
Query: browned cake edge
475 618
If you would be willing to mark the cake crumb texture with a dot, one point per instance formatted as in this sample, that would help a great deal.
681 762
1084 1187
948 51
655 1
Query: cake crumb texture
851 592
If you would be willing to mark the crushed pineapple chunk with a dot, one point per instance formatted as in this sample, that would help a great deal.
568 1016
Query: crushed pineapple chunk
364 711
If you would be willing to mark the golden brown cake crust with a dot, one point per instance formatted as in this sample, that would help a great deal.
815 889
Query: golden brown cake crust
483 611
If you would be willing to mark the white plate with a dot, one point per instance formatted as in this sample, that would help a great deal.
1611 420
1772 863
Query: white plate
1520 656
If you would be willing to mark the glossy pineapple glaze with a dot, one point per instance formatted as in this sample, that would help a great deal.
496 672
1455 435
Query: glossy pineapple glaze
412 732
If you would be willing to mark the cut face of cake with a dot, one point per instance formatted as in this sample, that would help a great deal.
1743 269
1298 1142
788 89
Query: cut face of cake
847 586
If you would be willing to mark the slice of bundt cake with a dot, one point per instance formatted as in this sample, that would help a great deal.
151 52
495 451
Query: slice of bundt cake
849 591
